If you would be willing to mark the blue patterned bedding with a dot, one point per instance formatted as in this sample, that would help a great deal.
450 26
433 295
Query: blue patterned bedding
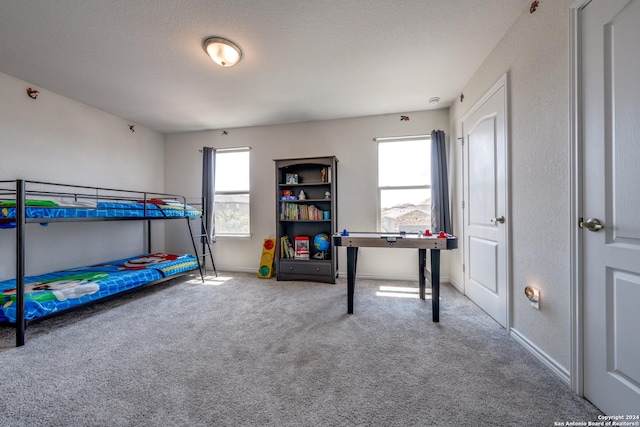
50 209
52 292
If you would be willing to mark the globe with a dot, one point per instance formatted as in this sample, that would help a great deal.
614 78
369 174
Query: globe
321 242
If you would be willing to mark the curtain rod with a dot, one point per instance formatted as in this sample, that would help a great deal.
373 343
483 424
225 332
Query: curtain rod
391 138
230 149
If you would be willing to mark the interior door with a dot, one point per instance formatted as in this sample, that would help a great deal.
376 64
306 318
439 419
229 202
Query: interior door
611 181
485 203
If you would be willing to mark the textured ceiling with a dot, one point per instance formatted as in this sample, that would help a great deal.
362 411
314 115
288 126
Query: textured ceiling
303 60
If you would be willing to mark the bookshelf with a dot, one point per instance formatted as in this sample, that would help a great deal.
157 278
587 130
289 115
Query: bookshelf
302 217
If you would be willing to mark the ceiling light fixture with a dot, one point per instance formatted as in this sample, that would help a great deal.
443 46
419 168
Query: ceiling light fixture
434 100
223 52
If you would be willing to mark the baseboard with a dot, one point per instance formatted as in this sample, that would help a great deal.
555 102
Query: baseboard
560 371
457 285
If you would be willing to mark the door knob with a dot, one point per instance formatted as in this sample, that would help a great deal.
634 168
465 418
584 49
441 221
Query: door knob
592 224
499 219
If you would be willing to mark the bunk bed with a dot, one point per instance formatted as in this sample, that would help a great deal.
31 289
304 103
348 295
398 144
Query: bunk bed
30 299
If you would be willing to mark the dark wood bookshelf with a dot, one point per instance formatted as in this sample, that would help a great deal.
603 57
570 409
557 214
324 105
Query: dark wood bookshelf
315 176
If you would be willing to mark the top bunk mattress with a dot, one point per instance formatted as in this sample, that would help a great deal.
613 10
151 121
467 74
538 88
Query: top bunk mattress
53 292
50 210
44 202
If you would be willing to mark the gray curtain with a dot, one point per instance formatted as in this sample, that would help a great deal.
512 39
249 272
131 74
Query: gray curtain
209 190
440 217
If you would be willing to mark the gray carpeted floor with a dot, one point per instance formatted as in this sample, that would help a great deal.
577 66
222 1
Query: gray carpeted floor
243 351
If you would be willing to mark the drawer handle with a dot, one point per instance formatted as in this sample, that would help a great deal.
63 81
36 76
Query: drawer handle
291 267
317 268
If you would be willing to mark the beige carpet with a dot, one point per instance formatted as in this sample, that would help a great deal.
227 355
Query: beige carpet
243 351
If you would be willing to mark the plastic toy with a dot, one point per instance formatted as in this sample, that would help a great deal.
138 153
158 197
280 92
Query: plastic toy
322 244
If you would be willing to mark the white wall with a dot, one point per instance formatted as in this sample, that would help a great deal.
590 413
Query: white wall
350 140
535 54
56 139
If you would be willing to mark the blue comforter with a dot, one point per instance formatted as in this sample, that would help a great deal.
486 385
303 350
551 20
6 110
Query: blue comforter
100 210
52 292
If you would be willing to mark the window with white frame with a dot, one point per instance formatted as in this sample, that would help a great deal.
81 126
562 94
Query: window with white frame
232 208
404 184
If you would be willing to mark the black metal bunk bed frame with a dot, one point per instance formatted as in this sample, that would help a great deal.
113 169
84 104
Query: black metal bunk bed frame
20 193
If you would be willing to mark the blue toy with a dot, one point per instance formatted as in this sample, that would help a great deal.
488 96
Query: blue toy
322 243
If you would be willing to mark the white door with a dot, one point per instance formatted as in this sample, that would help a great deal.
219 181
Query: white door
484 130
611 194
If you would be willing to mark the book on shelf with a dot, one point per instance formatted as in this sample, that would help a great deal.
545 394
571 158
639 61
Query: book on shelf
299 212
286 248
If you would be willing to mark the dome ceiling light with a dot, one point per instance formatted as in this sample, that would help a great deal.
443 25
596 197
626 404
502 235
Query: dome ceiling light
223 52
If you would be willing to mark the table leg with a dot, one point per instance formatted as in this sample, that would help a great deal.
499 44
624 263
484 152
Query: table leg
352 260
422 261
435 284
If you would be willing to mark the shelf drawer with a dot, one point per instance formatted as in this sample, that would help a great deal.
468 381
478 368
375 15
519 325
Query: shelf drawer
317 268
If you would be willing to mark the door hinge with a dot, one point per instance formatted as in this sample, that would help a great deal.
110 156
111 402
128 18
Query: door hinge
463 268
463 204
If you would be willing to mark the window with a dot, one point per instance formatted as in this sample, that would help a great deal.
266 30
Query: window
232 192
404 184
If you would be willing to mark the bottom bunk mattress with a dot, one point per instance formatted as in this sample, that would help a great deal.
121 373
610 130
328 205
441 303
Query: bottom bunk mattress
53 292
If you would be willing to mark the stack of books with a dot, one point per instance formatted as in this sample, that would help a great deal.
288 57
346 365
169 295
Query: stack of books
286 248
297 212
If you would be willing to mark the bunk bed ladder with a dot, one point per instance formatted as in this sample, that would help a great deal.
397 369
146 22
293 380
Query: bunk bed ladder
206 249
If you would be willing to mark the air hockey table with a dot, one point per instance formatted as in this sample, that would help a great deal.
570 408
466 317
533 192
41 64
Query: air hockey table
434 243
